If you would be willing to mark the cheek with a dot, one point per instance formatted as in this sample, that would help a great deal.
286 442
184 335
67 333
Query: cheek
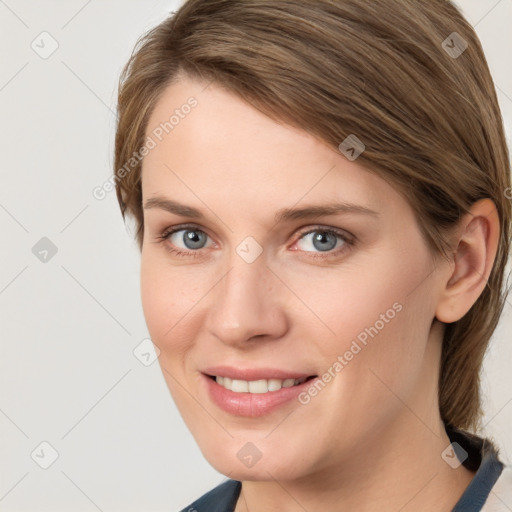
167 302
374 317
370 367
167 297
157 299
358 299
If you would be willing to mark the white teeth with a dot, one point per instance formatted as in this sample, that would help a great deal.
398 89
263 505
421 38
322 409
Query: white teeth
257 386
240 386
288 383
274 384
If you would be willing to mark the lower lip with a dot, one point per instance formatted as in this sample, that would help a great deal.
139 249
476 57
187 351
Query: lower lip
252 404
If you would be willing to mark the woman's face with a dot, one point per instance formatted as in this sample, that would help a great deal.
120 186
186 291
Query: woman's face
288 261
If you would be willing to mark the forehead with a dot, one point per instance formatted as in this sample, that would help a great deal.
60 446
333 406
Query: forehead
224 149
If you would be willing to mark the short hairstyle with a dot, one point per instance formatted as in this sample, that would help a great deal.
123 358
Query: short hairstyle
408 78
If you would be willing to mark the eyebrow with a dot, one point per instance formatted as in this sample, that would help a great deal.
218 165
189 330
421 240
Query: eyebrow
172 207
323 210
285 214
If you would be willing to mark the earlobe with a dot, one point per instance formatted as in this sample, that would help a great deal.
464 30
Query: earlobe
475 247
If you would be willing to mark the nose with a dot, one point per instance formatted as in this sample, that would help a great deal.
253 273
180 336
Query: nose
246 304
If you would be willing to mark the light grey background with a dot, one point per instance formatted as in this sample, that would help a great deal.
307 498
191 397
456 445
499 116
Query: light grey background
69 326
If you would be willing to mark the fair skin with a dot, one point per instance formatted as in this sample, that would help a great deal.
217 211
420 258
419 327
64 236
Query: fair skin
372 438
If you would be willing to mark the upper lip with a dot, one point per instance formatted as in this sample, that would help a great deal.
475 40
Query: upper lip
251 374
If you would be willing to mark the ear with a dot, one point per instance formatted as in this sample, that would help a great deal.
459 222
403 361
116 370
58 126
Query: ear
475 246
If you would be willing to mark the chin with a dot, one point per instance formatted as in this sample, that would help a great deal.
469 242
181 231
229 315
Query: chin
243 459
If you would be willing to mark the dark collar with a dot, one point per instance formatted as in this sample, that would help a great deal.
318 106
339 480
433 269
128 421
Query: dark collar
482 457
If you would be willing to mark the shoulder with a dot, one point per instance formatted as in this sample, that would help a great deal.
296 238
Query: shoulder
222 498
500 497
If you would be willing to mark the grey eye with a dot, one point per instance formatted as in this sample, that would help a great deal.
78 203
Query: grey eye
320 241
192 239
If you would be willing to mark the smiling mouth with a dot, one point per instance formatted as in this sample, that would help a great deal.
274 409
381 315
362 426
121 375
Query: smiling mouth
257 386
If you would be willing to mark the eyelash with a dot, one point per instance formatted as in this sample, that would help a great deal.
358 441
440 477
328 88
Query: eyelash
163 237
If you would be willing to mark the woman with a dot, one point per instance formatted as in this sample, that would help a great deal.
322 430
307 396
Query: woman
320 194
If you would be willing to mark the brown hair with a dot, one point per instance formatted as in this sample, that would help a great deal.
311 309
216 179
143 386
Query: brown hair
385 71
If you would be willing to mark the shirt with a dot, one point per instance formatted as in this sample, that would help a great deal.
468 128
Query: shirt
490 490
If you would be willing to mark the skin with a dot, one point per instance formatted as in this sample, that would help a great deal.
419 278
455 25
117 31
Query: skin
372 438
